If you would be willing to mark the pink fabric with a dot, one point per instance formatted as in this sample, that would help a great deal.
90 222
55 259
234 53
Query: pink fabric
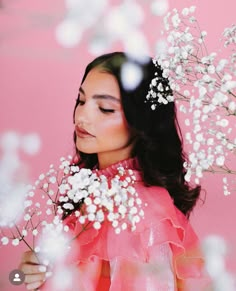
162 251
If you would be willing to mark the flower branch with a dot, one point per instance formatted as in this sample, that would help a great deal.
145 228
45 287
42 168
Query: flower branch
204 87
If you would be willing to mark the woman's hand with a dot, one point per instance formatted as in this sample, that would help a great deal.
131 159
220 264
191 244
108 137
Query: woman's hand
35 274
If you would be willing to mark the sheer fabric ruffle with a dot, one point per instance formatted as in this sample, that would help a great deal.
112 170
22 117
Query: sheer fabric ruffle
162 251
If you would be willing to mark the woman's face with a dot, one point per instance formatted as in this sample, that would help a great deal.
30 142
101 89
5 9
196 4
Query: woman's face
100 124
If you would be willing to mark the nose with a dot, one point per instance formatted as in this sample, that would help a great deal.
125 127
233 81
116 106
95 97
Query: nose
82 114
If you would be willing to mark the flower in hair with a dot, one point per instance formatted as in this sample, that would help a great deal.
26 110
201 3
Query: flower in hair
159 89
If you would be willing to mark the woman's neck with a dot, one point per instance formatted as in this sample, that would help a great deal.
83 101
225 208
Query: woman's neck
107 159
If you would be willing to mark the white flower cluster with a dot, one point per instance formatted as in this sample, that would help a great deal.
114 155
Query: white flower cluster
92 197
230 35
207 83
101 199
159 92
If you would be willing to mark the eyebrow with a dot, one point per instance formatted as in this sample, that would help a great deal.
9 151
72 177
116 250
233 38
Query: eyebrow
101 96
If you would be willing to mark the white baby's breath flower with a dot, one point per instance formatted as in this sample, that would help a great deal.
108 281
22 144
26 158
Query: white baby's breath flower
131 202
111 216
97 225
91 217
133 210
82 219
136 219
15 242
31 193
115 223
97 200
24 232
91 208
220 161
100 215
28 203
45 185
35 232
52 179
66 228
68 206
141 213
88 201
185 11
50 192
122 209
27 217
41 177
56 220
117 230
232 106
49 202
37 249
5 240
223 122
48 211
196 146
175 20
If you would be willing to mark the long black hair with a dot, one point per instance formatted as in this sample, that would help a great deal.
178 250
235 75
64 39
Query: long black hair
158 140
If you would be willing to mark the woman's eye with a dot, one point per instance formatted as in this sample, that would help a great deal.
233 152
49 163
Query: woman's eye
107 110
80 102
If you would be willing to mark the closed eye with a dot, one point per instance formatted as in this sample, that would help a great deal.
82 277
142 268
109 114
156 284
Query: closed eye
80 102
104 110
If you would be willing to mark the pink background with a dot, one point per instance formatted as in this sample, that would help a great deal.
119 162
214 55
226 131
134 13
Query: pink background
39 83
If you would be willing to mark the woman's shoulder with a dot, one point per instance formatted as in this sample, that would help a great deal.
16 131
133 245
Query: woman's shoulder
164 223
163 218
157 202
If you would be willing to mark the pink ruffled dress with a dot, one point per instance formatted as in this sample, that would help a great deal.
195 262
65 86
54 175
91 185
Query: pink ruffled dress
161 254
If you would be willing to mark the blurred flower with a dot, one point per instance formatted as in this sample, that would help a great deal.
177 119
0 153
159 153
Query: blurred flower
13 175
63 278
112 23
215 250
78 18
30 143
68 33
131 76
159 7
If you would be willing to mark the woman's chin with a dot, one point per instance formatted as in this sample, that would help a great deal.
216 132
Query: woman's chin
85 150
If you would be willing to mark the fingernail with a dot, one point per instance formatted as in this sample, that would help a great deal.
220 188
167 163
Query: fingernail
48 274
42 269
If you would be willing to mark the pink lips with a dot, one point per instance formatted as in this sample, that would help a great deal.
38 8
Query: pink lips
80 132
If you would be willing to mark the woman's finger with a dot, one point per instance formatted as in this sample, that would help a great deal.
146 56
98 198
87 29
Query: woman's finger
32 268
34 285
29 257
34 278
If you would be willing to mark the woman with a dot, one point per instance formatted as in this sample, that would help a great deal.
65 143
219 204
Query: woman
136 128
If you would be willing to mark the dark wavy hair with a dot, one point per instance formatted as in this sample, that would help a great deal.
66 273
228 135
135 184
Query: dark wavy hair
158 146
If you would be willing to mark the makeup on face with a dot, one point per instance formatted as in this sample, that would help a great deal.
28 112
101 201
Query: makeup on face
100 123
82 133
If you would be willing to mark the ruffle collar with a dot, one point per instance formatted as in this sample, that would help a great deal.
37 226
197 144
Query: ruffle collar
127 164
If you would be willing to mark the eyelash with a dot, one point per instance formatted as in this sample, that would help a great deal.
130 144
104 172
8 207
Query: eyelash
106 111
79 102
